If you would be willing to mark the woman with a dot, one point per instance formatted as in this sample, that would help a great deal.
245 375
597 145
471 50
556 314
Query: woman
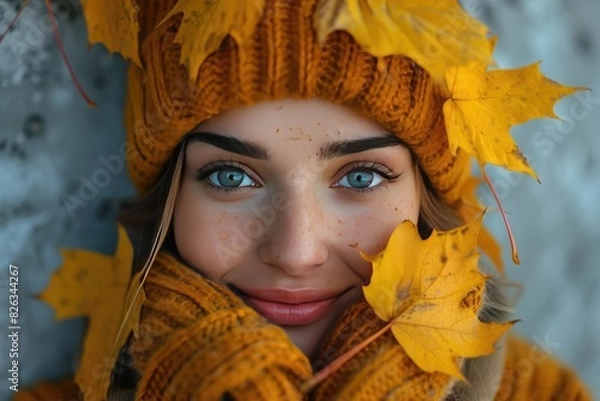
272 199
260 177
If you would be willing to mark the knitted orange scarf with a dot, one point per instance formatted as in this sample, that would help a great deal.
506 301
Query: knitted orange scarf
199 341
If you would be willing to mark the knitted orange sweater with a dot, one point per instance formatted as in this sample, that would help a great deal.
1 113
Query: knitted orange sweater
200 342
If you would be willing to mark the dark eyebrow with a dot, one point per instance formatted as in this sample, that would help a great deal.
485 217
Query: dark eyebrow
342 148
327 151
231 144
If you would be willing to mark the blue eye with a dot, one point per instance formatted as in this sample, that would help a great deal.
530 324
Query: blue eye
230 177
227 176
361 179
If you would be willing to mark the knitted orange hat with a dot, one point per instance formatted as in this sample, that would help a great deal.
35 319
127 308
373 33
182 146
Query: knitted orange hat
281 58
417 67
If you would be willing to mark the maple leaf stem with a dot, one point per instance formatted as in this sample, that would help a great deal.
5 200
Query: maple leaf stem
511 237
63 54
14 20
342 359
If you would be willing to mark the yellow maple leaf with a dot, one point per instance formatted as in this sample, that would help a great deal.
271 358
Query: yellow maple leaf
206 23
483 105
97 286
430 291
434 33
115 24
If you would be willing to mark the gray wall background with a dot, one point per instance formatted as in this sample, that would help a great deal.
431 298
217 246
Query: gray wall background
52 143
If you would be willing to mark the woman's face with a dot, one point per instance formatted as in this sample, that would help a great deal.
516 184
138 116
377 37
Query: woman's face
276 200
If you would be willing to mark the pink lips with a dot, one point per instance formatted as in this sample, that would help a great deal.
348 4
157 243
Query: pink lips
290 308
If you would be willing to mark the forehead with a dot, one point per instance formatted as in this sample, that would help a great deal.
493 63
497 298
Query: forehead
292 119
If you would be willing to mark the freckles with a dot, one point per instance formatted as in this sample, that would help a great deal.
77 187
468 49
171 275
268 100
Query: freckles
223 225
224 235
329 132
224 218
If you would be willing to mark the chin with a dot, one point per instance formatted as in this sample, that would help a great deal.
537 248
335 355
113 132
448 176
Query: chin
309 337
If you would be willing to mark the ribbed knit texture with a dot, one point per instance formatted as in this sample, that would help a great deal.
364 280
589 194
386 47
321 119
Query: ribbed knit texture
199 342
531 374
528 376
381 371
281 60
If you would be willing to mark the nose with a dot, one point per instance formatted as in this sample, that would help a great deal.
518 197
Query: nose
295 242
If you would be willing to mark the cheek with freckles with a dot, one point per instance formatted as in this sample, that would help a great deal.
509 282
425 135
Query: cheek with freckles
369 231
210 240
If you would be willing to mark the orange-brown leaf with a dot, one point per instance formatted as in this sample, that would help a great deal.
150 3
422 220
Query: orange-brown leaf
96 286
431 289
434 33
206 23
115 24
